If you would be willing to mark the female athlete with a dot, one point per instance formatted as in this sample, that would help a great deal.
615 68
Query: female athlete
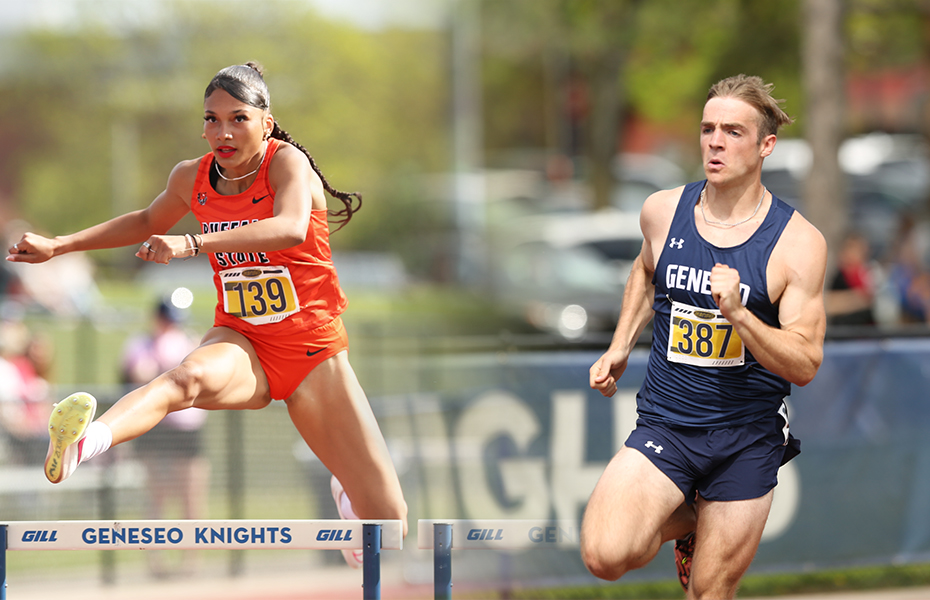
259 198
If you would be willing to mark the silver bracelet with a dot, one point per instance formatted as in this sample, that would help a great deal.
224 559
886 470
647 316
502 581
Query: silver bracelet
195 250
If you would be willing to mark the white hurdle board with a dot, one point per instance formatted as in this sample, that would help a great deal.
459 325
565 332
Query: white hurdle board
198 535
503 534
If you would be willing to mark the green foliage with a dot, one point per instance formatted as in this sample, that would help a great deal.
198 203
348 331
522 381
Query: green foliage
770 585
887 34
676 51
77 104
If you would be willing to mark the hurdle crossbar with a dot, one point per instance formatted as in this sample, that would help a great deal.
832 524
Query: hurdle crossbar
442 536
369 536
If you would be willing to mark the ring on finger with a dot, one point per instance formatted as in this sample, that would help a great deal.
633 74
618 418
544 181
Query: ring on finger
147 246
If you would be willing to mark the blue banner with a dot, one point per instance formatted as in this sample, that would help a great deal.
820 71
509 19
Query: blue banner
522 436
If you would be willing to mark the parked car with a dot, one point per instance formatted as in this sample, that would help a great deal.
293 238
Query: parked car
640 175
565 272
888 176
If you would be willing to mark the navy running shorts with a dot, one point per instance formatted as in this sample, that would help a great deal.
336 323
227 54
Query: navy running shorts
734 463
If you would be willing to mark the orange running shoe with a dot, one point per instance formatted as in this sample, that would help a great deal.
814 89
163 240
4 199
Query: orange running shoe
684 554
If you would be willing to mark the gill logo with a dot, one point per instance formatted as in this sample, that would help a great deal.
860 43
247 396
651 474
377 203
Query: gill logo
42 535
485 534
334 535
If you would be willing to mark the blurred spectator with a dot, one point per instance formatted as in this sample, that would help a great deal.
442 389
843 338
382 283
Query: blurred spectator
850 296
62 288
25 362
172 452
909 275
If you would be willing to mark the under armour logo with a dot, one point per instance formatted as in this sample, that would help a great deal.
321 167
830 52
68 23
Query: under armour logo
676 243
658 449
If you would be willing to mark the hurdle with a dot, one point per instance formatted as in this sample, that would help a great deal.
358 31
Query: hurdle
441 536
369 536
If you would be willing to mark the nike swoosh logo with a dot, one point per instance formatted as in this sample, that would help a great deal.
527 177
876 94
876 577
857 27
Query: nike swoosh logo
316 351
257 200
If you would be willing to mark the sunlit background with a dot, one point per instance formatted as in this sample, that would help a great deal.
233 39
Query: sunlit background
503 150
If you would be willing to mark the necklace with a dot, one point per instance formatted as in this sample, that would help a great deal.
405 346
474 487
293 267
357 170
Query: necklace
721 223
220 173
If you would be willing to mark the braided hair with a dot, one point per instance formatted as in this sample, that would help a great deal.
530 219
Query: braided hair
246 84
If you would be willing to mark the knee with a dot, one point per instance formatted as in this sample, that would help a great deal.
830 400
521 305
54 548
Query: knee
188 378
399 509
389 506
598 565
392 506
601 561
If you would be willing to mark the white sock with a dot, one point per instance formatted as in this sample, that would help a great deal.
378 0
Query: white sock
346 505
97 440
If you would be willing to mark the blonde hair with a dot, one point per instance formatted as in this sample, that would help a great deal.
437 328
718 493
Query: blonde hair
758 94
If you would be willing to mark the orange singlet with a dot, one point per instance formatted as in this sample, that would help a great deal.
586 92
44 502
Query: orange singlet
286 302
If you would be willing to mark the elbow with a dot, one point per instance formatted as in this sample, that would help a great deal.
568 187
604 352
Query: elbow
293 236
296 240
802 381
806 374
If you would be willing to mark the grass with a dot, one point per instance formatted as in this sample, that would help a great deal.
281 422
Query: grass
761 585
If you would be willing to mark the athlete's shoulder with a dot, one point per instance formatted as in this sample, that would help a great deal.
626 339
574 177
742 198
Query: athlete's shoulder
288 160
183 176
802 247
800 231
290 169
288 155
658 210
664 199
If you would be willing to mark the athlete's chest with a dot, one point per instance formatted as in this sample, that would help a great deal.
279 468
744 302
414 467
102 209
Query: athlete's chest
241 208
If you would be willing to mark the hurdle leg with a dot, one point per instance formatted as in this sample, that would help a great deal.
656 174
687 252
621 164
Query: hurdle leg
371 561
442 561
3 534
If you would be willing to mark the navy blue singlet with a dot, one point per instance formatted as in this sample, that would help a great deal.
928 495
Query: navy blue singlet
705 377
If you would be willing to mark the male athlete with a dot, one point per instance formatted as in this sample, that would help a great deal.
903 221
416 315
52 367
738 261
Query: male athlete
734 279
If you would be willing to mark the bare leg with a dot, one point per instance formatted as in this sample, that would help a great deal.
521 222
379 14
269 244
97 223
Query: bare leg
728 535
332 414
223 373
633 510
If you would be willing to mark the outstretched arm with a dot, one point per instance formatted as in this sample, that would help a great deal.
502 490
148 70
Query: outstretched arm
131 228
635 313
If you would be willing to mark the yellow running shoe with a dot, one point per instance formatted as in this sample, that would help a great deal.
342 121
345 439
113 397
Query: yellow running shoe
66 427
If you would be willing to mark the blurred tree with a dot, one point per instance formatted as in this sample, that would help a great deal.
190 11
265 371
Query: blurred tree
578 50
825 84
560 71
